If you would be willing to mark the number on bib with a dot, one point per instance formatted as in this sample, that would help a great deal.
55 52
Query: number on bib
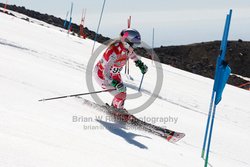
116 70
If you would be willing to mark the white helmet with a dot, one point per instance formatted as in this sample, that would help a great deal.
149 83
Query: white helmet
131 36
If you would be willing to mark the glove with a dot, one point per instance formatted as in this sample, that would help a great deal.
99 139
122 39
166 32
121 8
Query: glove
142 66
118 85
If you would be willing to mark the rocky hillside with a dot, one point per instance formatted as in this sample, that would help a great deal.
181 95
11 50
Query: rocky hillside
197 58
201 58
50 19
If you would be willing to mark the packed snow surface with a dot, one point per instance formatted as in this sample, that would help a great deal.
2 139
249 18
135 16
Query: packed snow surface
43 61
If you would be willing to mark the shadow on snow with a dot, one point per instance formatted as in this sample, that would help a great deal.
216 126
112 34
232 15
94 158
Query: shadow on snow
118 129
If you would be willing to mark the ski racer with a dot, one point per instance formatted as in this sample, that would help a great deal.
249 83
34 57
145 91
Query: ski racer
107 70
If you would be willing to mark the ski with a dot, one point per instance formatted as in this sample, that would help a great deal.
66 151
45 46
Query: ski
131 120
169 135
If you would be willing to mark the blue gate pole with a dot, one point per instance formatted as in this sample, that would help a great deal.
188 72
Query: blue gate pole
210 135
100 19
66 20
70 20
208 123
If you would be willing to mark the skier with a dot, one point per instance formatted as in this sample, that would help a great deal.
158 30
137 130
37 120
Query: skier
107 70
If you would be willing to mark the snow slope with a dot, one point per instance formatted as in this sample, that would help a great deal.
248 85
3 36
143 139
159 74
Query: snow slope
38 62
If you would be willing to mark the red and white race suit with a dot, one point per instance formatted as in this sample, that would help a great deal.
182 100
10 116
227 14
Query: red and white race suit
109 67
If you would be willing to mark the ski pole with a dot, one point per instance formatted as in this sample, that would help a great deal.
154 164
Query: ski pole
75 95
141 83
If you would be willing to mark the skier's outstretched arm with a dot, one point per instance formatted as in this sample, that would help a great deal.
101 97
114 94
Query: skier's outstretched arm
132 55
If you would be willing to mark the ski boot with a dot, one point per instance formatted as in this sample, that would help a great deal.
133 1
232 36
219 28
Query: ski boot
121 113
